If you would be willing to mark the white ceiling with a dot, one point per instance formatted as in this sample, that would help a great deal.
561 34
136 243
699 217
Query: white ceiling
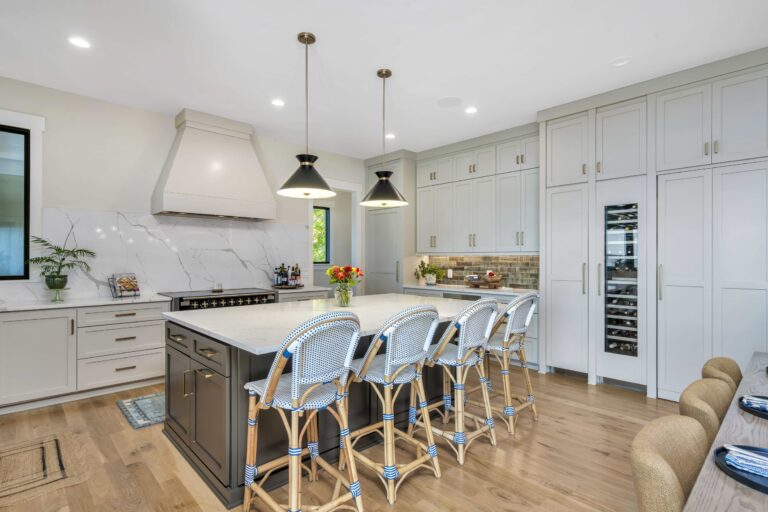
509 58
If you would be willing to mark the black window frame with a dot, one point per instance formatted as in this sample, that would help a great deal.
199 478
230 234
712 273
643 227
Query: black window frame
327 234
27 134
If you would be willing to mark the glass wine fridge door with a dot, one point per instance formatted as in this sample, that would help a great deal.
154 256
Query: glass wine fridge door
621 279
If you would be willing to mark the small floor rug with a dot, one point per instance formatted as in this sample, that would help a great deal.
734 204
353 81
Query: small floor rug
145 410
31 468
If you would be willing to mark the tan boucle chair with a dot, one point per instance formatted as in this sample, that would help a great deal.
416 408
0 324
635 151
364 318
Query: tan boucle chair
706 401
723 368
667 455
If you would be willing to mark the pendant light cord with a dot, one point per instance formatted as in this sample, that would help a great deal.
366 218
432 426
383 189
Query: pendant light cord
306 97
383 117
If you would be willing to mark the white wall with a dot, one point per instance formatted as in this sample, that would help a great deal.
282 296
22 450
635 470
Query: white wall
340 233
107 157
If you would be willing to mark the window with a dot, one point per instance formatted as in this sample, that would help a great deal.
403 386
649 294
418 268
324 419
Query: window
14 203
321 252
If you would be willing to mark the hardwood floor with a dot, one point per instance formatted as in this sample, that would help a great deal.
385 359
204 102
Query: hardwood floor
575 458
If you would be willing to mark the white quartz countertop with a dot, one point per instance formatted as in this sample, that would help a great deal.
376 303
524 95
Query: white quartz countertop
460 288
79 302
261 329
305 290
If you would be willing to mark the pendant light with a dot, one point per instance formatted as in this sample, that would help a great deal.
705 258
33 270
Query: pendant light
384 194
306 182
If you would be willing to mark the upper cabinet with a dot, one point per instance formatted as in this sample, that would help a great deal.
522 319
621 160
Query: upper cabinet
517 155
740 117
517 211
433 224
474 215
474 164
434 172
683 128
620 140
567 150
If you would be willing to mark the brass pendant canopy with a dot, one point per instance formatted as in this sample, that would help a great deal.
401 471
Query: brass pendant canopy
384 194
306 182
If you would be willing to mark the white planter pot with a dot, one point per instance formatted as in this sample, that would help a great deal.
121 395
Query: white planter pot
431 279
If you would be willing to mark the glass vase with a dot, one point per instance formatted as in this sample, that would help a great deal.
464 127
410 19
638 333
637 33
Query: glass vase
343 295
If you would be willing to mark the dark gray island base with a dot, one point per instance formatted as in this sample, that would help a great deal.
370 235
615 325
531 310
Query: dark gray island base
206 409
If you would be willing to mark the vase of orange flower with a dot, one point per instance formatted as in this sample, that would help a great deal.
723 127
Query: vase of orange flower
345 278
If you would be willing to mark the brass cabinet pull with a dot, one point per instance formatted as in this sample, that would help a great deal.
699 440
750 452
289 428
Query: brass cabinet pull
706 149
517 159
118 315
517 238
207 374
716 146
184 383
661 281
598 167
124 368
72 326
583 278
522 159
397 271
584 169
599 283
522 238
208 352
126 338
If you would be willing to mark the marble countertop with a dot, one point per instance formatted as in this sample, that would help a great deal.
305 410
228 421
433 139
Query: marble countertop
261 329
77 302
305 289
460 288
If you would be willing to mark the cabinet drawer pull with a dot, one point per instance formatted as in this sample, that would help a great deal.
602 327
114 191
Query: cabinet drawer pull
178 338
126 338
118 315
124 368
207 374
706 149
716 146
661 282
522 238
583 278
517 238
208 352
184 383
584 169
517 159
598 167
72 326
522 159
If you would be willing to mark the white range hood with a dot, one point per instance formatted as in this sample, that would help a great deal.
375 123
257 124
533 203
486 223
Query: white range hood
212 169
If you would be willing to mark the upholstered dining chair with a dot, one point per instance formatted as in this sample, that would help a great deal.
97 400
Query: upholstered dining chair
723 368
666 456
320 351
706 401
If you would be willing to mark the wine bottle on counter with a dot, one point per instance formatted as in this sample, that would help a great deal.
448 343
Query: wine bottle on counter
296 275
276 277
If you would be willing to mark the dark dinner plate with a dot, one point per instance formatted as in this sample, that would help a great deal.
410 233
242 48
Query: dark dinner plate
759 414
756 482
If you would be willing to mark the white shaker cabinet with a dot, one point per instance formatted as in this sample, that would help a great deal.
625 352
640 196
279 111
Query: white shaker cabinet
434 225
517 211
434 172
740 117
567 150
740 260
684 295
38 355
517 155
567 299
683 128
474 215
620 145
474 164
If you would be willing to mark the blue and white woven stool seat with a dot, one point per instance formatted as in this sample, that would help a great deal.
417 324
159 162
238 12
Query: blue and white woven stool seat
496 343
377 371
319 398
450 356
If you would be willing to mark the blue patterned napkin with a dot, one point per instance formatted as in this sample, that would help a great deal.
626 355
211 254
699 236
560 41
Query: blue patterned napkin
754 464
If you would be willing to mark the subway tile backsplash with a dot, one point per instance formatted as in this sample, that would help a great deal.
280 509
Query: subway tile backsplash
516 271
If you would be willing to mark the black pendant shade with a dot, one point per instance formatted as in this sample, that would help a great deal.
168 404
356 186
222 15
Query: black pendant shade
384 194
306 182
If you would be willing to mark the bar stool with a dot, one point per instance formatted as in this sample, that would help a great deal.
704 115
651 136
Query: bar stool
473 326
320 351
517 315
407 337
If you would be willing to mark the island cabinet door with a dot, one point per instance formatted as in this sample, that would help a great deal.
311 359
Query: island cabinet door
178 386
210 426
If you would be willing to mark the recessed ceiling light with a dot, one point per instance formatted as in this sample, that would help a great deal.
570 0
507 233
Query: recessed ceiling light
278 102
79 42
471 110
390 135
620 61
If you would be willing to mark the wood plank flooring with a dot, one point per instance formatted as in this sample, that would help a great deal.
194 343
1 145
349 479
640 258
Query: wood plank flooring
575 458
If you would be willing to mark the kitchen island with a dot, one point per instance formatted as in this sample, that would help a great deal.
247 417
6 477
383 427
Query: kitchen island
211 354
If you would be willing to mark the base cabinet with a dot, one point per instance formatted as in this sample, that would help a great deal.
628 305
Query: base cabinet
38 355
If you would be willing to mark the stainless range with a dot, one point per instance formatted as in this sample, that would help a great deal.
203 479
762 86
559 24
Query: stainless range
206 299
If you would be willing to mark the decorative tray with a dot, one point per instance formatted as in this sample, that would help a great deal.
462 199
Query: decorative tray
759 414
756 482
286 287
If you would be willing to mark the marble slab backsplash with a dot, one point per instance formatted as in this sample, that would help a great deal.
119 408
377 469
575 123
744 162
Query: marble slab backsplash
516 271
167 253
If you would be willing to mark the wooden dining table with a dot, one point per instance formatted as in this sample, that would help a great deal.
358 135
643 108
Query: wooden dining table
714 490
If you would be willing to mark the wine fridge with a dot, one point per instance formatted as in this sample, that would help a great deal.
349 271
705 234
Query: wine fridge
620 282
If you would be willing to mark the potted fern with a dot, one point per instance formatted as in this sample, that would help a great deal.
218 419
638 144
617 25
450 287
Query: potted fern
429 272
58 261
